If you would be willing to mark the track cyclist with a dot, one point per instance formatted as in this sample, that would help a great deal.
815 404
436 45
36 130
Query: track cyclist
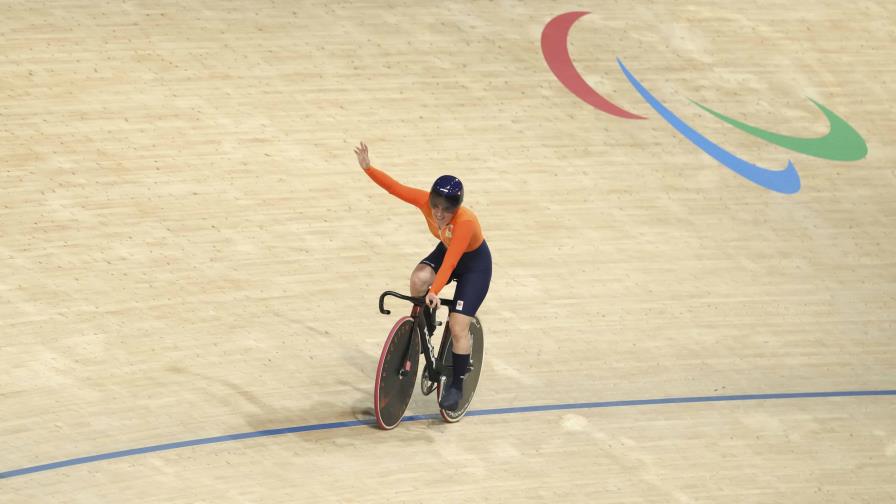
462 255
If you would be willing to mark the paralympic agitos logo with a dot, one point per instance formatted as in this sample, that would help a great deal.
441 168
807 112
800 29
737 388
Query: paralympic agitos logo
842 143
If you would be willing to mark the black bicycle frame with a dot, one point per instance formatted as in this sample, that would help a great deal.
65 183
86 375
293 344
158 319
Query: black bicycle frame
425 324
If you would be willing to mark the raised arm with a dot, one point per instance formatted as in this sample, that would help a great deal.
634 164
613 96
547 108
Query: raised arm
416 197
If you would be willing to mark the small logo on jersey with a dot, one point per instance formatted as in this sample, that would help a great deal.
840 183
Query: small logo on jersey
460 305
449 231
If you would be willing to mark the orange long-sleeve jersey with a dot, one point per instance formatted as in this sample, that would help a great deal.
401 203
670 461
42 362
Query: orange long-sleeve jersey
461 234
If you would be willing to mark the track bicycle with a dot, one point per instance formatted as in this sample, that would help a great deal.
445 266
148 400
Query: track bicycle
396 373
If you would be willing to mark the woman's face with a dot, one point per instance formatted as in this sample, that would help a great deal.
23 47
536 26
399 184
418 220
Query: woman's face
442 212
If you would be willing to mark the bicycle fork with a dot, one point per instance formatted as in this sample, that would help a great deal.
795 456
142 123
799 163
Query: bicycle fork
424 328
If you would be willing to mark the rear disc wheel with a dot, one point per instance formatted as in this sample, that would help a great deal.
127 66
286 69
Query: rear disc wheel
473 371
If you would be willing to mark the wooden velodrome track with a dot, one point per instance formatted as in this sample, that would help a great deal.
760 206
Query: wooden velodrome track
188 250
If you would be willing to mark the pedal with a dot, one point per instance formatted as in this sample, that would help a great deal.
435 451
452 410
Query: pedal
427 386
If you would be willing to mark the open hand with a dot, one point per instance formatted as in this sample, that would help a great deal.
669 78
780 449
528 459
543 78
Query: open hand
363 157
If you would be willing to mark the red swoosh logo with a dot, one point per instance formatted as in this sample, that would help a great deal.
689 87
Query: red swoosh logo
554 39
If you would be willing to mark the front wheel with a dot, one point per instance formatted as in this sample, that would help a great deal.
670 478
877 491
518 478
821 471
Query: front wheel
472 377
396 374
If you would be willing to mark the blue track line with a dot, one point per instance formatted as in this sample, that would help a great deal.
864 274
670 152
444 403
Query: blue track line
414 418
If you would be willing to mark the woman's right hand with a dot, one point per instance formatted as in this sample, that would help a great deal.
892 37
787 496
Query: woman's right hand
363 157
433 300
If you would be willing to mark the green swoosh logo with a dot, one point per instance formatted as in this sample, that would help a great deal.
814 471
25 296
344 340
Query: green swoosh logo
842 143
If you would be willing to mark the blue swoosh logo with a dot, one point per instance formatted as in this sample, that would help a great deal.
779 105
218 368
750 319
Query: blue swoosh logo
786 181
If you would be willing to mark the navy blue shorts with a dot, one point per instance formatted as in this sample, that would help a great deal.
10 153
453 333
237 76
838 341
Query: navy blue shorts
473 274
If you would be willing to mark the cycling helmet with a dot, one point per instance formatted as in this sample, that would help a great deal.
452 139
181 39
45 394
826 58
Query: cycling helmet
449 188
